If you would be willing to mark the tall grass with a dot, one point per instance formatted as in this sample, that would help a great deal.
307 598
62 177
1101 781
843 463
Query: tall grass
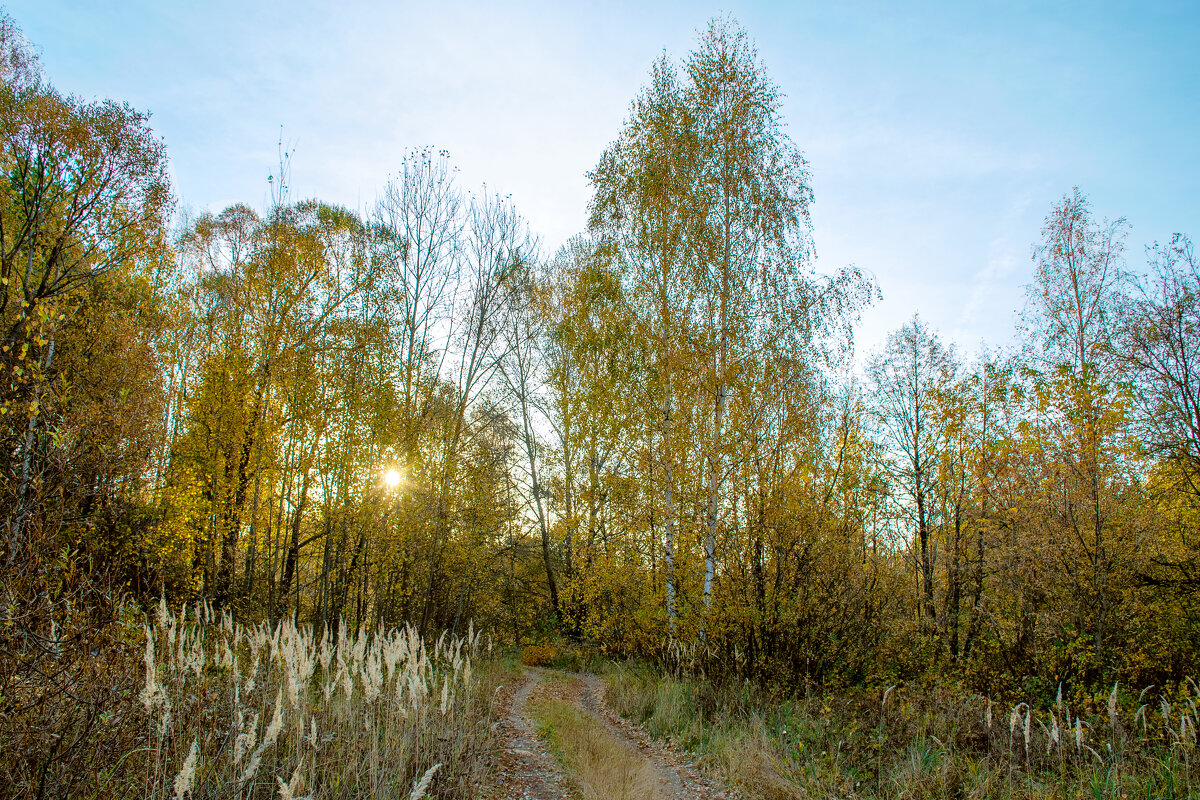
228 710
929 742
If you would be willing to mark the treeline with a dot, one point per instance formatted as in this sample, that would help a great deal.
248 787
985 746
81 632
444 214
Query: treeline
657 438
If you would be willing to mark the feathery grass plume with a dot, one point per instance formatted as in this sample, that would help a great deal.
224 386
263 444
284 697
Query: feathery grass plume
372 675
172 632
273 639
180 637
358 648
273 730
988 715
416 688
888 691
195 658
1014 719
289 790
391 655
1078 736
236 675
150 693
183 781
1028 730
1052 739
1113 718
245 739
306 658
276 721
422 785
252 678
1058 699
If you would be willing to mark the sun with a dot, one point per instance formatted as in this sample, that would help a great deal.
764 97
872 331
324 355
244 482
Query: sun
391 478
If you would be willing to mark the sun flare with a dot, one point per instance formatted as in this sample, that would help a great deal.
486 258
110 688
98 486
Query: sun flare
391 478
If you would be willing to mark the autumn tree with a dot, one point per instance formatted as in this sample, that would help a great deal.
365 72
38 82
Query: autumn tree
271 289
596 380
523 373
83 263
1158 352
641 213
907 379
701 205
749 239
86 196
422 210
1082 410
1159 343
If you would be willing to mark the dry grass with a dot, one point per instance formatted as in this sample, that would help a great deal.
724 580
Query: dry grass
936 742
599 763
225 710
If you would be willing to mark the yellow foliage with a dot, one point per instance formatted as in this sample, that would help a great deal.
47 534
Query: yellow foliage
536 655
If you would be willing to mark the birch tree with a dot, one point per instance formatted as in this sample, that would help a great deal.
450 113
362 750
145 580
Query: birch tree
1073 311
751 194
640 214
906 380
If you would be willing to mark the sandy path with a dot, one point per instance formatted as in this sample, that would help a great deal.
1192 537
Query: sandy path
525 768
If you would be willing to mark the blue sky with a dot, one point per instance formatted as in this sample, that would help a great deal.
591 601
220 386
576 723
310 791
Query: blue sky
939 134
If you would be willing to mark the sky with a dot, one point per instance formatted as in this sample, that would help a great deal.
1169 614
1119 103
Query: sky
939 134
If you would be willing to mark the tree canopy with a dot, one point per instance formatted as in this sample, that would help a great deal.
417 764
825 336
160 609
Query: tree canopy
659 438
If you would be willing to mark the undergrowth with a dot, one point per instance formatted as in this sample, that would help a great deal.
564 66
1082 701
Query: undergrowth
563 655
921 742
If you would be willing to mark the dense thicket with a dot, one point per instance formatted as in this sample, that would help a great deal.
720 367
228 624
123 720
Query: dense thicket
657 438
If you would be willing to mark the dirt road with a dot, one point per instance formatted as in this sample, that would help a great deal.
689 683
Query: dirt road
525 767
